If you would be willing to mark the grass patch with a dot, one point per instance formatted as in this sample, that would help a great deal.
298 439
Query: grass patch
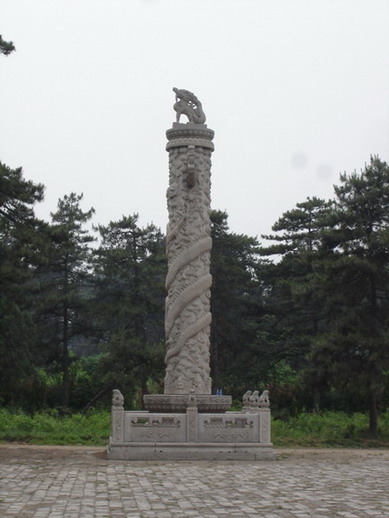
330 429
49 428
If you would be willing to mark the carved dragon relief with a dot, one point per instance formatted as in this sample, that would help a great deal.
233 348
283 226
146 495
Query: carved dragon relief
188 282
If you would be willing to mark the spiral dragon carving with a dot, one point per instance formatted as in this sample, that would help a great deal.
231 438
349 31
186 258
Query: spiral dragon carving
188 281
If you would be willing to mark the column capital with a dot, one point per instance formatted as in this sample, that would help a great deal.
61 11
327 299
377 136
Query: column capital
190 134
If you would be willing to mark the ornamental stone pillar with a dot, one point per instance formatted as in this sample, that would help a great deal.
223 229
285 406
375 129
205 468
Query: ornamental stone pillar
188 282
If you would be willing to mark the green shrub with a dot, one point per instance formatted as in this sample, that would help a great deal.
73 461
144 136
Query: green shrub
46 428
329 429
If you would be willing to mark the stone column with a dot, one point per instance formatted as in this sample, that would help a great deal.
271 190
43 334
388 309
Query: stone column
188 282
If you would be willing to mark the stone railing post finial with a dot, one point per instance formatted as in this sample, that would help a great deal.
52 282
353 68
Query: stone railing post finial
117 399
254 401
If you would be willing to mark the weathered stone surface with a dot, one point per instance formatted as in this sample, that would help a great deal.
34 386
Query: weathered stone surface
188 282
191 451
183 135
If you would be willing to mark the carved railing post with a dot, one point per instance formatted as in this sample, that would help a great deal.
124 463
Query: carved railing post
117 412
192 419
253 403
264 425
264 417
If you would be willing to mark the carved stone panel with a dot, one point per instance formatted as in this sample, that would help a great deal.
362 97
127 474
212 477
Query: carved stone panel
145 427
228 428
177 403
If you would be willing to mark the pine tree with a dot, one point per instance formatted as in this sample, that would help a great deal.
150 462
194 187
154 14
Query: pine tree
330 289
236 298
294 307
6 47
355 350
130 271
66 279
20 245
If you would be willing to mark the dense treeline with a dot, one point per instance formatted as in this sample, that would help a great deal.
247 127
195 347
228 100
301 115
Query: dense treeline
305 313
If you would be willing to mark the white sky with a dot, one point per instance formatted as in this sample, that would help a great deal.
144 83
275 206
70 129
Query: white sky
297 91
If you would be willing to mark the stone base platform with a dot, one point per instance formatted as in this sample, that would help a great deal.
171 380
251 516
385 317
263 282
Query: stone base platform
205 403
190 451
190 435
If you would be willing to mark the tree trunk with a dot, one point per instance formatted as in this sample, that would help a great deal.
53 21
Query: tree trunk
95 398
65 339
65 360
143 382
316 400
373 415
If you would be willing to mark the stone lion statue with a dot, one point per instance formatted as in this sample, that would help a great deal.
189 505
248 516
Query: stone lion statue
117 398
246 398
264 401
254 400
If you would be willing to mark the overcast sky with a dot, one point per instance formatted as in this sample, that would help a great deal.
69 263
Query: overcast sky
297 91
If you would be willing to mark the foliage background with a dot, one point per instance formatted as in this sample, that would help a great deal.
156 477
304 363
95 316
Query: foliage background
303 314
